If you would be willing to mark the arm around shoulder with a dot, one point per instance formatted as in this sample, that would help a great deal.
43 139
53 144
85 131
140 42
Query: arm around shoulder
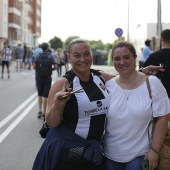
107 76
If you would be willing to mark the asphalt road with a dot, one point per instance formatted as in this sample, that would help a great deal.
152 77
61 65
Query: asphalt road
19 125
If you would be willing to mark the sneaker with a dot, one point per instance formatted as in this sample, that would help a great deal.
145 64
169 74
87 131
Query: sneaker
8 77
39 114
1 77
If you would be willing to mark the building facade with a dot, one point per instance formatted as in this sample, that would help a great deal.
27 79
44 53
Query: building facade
144 32
21 22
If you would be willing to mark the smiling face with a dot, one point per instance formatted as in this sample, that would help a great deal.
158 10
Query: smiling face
80 57
124 58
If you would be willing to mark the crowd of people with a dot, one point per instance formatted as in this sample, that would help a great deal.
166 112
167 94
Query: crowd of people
24 57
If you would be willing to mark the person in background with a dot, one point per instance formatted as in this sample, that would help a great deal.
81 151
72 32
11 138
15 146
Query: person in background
37 51
66 60
77 120
19 53
24 56
147 49
141 58
32 57
43 83
28 58
11 55
6 57
162 57
126 141
60 59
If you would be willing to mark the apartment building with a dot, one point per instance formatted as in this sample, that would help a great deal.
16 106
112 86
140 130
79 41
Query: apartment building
21 22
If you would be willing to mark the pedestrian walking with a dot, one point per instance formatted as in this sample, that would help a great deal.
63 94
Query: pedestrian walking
141 58
44 64
60 59
28 59
19 53
162 57
6 57
147 49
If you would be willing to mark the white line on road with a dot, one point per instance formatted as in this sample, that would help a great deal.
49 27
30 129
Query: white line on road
17 110
16 122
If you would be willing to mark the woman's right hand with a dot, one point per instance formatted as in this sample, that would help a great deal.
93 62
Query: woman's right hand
61 98
56 104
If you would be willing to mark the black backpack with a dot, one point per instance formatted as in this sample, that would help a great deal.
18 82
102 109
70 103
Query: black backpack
44 65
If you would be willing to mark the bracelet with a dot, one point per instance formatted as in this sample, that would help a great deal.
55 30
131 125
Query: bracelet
46 125
155 150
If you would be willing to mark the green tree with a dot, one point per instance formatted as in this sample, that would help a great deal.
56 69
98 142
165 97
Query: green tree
110 61
108 46
69 39
56 42
97 45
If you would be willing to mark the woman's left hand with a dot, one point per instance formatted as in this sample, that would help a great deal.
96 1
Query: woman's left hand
152 157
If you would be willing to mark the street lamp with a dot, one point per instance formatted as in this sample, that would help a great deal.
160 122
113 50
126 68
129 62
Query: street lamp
159 22
128 24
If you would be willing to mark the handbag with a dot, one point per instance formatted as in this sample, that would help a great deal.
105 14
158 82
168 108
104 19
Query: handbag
164 154
62 62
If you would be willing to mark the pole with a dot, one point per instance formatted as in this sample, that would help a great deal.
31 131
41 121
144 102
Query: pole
159 22
128 24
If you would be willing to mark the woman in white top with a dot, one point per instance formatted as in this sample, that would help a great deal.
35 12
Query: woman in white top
126 142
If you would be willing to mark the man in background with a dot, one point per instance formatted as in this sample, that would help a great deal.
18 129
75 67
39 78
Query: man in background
147 49
37 51
6 57
19 53
162 57
43 65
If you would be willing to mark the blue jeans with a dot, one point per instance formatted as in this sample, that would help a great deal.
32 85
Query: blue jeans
134 164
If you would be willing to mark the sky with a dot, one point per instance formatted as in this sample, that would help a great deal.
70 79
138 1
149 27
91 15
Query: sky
96 19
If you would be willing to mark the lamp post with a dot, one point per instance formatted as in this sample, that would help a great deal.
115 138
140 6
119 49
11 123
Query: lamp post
128 24
159 22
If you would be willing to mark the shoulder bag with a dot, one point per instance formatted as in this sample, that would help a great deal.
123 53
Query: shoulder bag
164 153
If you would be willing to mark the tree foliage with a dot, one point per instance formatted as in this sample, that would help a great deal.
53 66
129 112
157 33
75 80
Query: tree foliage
69 39
56 42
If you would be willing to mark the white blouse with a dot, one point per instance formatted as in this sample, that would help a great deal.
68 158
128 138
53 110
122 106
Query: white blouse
128 118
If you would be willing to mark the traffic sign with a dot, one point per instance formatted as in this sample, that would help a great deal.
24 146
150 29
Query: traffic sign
119 32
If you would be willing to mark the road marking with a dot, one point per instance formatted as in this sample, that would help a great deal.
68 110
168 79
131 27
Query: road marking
16 122
17 110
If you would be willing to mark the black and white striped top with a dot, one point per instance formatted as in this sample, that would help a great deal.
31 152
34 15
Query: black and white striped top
6 54
85 112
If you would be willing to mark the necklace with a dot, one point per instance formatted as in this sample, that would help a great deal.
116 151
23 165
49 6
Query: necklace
127 93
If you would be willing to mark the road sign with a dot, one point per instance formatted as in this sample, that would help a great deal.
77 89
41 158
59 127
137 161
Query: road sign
119 32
